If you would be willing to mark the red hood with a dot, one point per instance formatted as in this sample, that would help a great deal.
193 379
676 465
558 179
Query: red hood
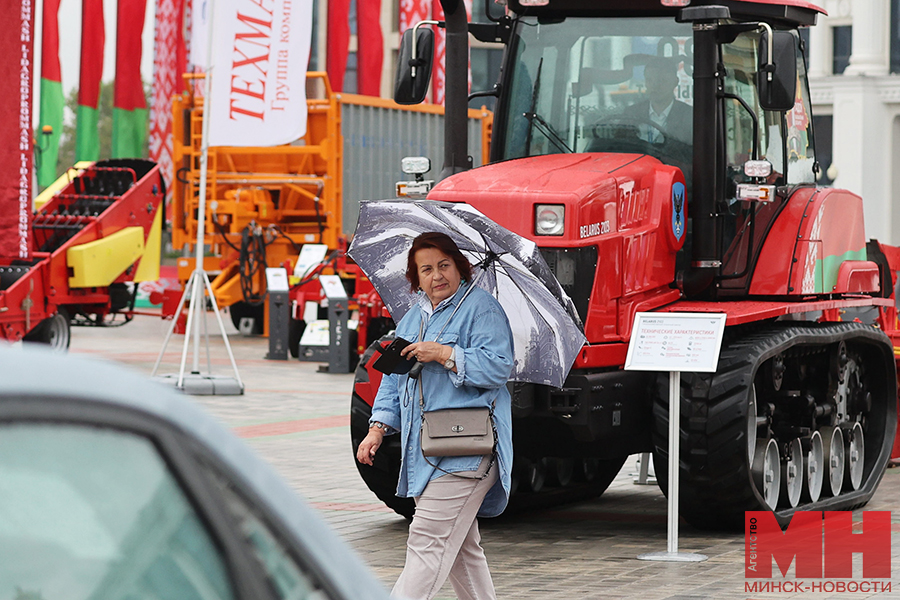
507 191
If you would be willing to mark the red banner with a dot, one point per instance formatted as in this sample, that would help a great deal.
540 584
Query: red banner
338 42
93 40
371 47
53 102
129 134
16 44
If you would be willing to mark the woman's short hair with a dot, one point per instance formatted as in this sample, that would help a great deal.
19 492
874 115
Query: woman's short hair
443 243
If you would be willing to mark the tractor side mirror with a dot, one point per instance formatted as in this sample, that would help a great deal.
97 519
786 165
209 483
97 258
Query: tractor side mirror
414 63
777 77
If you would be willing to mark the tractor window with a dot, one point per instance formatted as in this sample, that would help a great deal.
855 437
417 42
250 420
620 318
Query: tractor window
742 105
588 85
776 131
800 150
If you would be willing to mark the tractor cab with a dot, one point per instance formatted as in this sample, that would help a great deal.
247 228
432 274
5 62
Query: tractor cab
698 92
716 89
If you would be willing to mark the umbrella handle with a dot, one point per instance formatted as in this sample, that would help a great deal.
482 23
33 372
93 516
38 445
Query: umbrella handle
416 370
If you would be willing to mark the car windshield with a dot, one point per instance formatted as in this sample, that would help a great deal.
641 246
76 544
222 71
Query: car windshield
606 85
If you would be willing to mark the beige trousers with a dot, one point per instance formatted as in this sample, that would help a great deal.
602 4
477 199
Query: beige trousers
444 540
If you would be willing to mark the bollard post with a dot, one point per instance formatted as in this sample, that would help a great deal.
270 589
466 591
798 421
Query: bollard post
279 313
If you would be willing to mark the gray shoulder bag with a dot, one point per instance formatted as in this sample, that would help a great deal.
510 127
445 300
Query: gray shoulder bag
456 431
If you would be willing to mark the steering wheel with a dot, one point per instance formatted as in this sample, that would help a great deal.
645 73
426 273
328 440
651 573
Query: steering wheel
621 133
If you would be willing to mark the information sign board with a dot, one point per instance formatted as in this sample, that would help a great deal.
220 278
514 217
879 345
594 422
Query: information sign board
277 279
333 288
675 342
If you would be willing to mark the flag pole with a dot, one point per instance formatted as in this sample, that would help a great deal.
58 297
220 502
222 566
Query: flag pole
198 284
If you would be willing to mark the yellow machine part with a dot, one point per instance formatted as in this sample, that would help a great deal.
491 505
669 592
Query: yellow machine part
64 180
99 263
148 270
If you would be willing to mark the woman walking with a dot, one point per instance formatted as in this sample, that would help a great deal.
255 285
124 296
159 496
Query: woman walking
463 339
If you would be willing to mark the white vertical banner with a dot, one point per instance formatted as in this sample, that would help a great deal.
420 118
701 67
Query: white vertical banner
199 34
259 59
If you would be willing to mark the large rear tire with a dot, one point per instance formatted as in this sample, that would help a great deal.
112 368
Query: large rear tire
382 476
53 331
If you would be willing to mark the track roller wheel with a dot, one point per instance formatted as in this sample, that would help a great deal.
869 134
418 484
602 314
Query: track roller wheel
815 468
766 471
793 473
855 455
754 422
560 471
833 448
586 469
534 474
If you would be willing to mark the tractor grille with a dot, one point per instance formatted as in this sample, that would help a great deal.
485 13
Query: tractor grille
575 269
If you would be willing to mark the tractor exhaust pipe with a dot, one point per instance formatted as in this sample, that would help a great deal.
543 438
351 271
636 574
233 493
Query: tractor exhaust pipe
456 89
704 260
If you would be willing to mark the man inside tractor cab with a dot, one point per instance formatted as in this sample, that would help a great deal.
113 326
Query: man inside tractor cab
661 114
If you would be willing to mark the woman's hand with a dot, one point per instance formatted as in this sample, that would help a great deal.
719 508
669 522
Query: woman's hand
427 352
369 446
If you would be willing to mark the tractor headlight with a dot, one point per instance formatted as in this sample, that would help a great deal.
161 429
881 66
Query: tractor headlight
415 165
549 219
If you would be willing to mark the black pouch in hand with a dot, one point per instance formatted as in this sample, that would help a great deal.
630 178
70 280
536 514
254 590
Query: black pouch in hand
390 360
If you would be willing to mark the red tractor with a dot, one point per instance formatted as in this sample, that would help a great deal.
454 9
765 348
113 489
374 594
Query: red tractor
661 154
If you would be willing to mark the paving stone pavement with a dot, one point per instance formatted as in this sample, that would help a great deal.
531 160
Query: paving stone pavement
297 418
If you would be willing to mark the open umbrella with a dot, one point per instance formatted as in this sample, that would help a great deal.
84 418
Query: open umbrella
546 328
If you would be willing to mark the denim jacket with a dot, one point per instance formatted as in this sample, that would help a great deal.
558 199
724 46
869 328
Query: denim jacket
483 340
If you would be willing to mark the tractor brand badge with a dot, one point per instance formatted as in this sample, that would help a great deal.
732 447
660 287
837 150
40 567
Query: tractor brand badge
678 210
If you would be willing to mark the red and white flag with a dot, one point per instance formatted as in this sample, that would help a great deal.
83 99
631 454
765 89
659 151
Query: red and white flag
168 65
411 12
438 75
438 72
259 59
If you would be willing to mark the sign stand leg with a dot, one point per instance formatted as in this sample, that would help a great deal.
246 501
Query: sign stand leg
672 554
643 476
195 382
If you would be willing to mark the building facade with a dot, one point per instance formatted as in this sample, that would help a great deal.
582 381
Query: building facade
854 69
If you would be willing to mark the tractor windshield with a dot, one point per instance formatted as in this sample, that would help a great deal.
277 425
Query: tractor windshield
601 85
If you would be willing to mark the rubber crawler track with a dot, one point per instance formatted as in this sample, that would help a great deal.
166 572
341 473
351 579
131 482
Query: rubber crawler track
715 480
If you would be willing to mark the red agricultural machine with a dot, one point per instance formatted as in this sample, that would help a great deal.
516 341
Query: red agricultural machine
634 214
97 235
